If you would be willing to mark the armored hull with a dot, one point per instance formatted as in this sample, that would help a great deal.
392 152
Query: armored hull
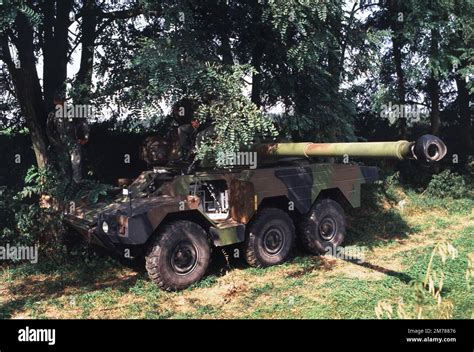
174 219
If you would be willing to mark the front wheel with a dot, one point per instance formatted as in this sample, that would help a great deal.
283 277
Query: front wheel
179 256
324 227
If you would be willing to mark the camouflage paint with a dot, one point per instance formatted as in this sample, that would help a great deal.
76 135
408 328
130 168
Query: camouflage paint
159 193
299 184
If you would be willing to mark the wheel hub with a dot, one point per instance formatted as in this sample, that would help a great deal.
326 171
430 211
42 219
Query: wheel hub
273 241
184 258
327 228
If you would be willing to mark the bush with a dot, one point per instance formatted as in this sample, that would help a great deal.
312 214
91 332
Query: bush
391 188
447 184
33 215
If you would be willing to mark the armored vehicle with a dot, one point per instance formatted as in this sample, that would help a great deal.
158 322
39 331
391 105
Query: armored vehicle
174 218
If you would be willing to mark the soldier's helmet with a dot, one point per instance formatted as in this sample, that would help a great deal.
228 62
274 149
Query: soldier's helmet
183 111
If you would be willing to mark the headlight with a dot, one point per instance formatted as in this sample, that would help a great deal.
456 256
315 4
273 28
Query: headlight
105 227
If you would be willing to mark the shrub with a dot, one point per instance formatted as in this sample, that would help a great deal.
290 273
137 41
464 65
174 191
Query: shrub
447 184
33 215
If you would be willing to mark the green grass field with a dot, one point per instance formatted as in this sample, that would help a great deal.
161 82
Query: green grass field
398 240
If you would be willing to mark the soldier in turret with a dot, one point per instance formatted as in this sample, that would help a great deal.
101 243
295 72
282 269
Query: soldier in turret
191 131
183 114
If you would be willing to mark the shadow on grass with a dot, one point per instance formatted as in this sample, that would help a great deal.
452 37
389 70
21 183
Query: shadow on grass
376 227
403 277
45 283
52 280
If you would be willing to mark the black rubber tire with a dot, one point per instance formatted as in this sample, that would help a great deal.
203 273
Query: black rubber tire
255 249
162 253
310 232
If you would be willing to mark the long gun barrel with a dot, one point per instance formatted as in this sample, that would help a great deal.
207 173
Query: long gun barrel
427 148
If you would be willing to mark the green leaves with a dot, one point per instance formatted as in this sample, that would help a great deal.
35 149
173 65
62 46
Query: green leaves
447 184
93 191
32 16
322 11
97 191
235 119
9 10
37 181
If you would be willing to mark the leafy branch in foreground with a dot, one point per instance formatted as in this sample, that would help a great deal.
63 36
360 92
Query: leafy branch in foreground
235 119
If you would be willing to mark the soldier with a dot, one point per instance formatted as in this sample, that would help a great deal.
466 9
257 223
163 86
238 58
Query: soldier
67 134
183 114
156 150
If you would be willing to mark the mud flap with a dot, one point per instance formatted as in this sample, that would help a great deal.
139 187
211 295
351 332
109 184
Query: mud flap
227 235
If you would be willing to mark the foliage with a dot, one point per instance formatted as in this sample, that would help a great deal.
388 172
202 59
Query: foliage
328 66
436 42
235 119
93 191
391 192
25 222
34 214
34 17
391 186
38 182
447 184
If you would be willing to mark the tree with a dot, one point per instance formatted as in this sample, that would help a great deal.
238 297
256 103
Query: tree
35 29
430 55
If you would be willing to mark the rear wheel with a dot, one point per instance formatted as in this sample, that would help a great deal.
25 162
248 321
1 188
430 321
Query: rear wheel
324 227
270 239
179 256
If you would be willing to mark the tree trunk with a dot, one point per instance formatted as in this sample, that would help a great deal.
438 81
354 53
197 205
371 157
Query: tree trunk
433 91
84 76
257 55
398 60
53 39
433 87
27 88
336 52
256 77
55 48
465 117
401 90
226 50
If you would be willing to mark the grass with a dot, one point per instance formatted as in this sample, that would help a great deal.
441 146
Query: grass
398 241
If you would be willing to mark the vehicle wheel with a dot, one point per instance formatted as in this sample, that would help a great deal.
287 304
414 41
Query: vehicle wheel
179 256
323 227
270 238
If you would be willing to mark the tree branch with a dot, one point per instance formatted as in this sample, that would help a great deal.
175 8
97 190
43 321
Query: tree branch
417 103
6 56
129 13
122 14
